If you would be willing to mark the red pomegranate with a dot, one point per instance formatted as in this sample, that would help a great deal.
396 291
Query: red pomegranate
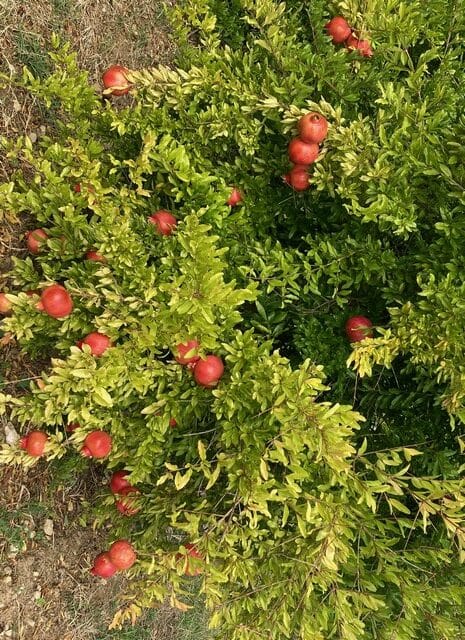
358 328
34 240
126 505
55 301
186 352
192 552
93 256
34 443
164 222
363 46
118 481
313 128
5 305
98 343
115 78
122 554
234 198
339 30
302 153
207 372
97 445
298 178
103 566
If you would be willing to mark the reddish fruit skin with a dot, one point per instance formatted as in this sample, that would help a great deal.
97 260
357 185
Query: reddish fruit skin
118 481
122 554
56 301
173 423
358 327
97 445
301 152
115 76
103 566
34 240
5 305
184 348
77 187
234 198
98 343
192 552
339 30
35 444
207 372
23 443
72 426
94 256
363 46
125 505
164 222
299 178
313 128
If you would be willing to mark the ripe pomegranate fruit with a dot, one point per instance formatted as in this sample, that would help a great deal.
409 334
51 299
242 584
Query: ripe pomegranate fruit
207 372
98 343
358 328
114 78
186 352
192 552
34 443
234 198
34 240
313 128
94 256
122 554
125 505
103 566
363 46
298 178
173 423
339 30
5 305
118 481
55 301
302 153
72 426
164 221
97 445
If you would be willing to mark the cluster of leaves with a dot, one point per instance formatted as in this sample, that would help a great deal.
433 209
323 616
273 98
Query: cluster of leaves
313 521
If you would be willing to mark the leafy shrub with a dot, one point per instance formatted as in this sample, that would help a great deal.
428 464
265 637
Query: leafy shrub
314 522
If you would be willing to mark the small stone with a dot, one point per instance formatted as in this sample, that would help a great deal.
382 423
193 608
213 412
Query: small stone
7 580
33 136
48 527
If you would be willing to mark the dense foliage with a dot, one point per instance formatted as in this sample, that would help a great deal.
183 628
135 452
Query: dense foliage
320 481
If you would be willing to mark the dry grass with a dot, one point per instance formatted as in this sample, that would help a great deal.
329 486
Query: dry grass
102 32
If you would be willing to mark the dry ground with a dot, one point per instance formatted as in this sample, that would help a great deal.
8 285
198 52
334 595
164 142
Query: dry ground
46 592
